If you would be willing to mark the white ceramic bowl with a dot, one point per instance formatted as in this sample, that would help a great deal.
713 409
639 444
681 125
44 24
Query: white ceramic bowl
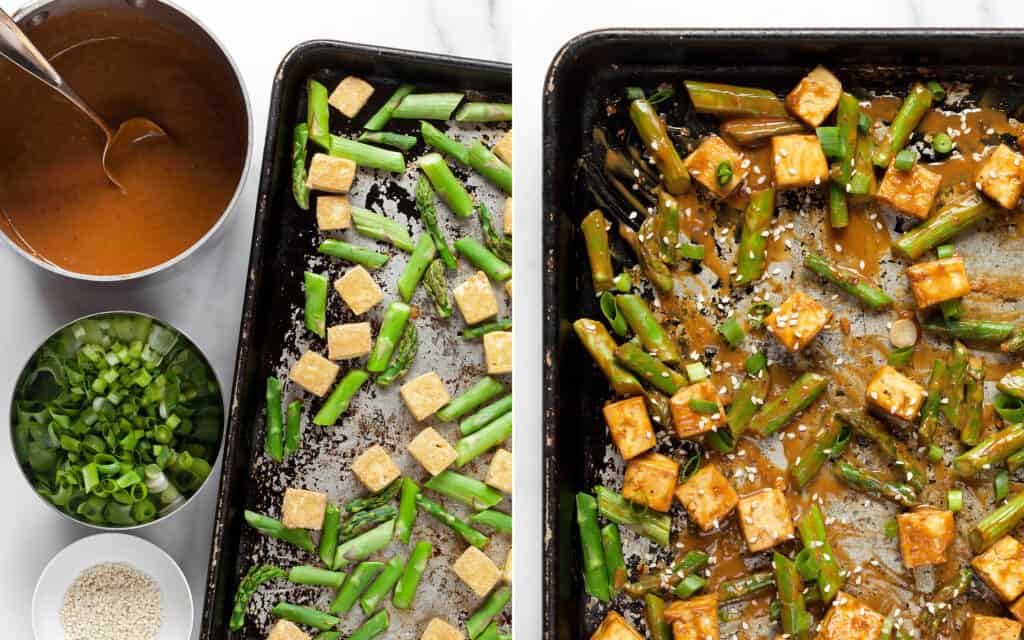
175 596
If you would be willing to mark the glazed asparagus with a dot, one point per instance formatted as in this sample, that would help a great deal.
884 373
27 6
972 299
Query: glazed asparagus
601 347
731 101
863 480
652 130
849 281
777 413
751 255
914 106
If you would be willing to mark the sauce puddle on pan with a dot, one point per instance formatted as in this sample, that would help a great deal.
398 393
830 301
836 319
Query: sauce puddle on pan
57 202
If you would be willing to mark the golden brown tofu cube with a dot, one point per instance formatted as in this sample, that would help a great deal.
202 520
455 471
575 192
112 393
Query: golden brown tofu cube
477 570
350 95
498 352
615 627
797 321
707 497
358 289
504 148
314 373
438 629
694 619
1002 568
333 213
285 630
924 536
331 174
850 619
629 426
506 569
506 217
689 423
424 395
350 340
815 96
432 451
303 509
764 519
499 473
1017 609
939 280
375 469
981 627
798 161
475 299
912 192
703 165
895 394
651 480
1001 177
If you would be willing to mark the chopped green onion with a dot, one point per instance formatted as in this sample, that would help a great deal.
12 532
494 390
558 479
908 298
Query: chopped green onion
689 468
690 251
724 172
663 93
945 251
938 91
952 309
807 565
860 184
758 312
1002 485
623 283
863 122
935 453
901 357
833 142
892 529
703 406
696 372
611 313
955 500
1009 408
688 586
942 143
731 331
756 363
905 160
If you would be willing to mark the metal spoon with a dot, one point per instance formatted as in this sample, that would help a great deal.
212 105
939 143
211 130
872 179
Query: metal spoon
16 47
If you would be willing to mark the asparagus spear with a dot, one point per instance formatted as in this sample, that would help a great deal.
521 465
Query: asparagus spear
815 540
499 243
486 416
447 185
337 403
484 390
484 112
374 626
300 189
849 281
422 255
472 446
489 166
997 524
367 155
744 405
828 443
731 101
935 617
667 226
751 132
595 235
796 622
491 607
329 534
847 116
438 140
273 440
655 270
466 490
315 287
955 217
990 452
359 255
361 521
406 510
862 180
481 257
427 106
364 545
780 410
379 499
864 480
614 561
305 615
355 585
383 115
436 284
630 356
405 591
315 576
480 330
391 328
428 215
654 133
971 330
974 400
494 519
257 575
654 616
690 563
601 347
870 428
318 114
293 426
957 383
914 106
270 527
930 411
379 227
399 141
745 587
382 586
751 254
468 533
403 356
649 524
595 571
646 327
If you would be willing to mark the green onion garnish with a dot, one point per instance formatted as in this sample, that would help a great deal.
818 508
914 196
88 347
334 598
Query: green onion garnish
623 283
703 406
731 331
833 142
696 372
859 184
935 453
901 357
689 585
942 143
756 363
807 565
905 160
724 172
1002 485
690 251
955 500
938 91
945 251
689 468
892 529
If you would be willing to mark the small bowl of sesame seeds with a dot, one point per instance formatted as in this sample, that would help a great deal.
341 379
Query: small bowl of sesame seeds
112 586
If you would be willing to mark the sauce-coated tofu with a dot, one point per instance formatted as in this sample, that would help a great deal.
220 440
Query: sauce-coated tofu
924 536
333 213
303 509
815 96
498 352
424 395
703 165
477 570
350 95
432 451
358 289
1017 609
850 619
630 426
937 281
350 340
798 161
475 298
1001 177
1002 568
438 629
375 469
314 373
895 394
651 480
285 630
981 627
499 474
506 217
911 192
689 423
330 174
764 519
797 321
504 148
694 619
615 627
707 497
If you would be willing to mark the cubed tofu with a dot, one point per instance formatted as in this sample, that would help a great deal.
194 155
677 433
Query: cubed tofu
1017 609
330 174
358 289
981 627
438 629
350 340
1002 568
476 300
895 394
629 426
477 570
924 536
615 627
798 161
815 96
506 217
937 281
499 474
285 630
911 192
850 619
650 480
707 497
375 469
508 288
703 165
797 321
314 373
504 148
506 569
1001 177
303 509
689 423
764 519
432 451
350 95
333 213
498 352
694 619
424 395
